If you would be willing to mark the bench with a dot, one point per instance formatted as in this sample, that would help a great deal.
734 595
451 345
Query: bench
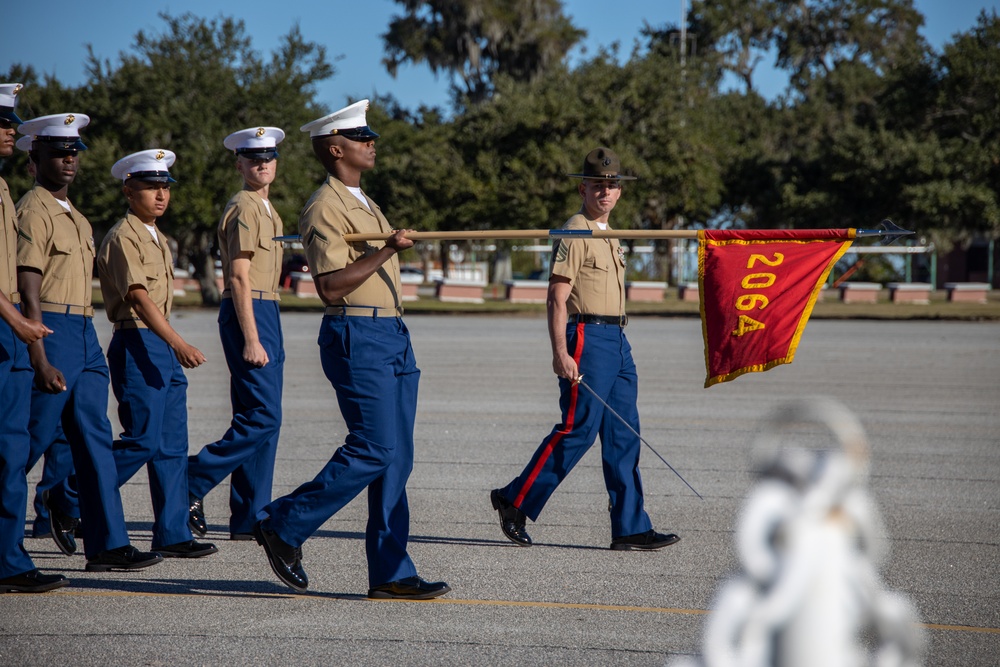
527 291
910 293
860 292
645 291
967 292
302 284
688 292
459 291
411 283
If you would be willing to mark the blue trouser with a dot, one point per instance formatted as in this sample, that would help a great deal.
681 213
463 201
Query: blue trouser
604 358
248 448
57 471
151 389
369 362
15 401
80 415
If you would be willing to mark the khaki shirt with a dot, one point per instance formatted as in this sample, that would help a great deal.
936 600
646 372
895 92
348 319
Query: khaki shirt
130 256
246 226
59 243
330 213
595 269
8 244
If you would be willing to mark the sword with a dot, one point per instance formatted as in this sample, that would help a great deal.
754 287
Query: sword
586 386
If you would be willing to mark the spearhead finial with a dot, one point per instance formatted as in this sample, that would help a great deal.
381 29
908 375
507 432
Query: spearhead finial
887 231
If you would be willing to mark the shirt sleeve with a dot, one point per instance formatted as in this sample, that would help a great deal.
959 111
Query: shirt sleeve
122 265
33 239
323 237
242 231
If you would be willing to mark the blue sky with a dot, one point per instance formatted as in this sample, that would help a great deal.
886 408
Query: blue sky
351 31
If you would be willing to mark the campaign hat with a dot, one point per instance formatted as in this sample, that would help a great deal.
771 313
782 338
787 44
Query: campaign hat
603 164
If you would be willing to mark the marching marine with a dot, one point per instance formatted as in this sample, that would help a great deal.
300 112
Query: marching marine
55 259
146 354
17 571
366 354
250 328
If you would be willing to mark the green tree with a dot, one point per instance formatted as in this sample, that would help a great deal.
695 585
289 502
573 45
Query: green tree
419 180
474 41
814 37
963 197
840 148
186 89
737 32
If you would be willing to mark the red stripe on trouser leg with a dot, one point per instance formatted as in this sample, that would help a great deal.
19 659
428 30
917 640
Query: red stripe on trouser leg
558 436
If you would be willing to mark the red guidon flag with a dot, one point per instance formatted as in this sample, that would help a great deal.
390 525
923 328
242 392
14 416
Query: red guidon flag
757 290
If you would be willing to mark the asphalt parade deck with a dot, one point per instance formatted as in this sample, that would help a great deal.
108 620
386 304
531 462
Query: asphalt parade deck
928 394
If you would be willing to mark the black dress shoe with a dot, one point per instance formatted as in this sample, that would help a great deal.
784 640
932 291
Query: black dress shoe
411 588
32 581
511 520
189 549
40 527
241 537
122 558
285 560
62 527
196 516
647 541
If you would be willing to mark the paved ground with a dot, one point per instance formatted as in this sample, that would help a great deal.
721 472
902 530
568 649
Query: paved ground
927 392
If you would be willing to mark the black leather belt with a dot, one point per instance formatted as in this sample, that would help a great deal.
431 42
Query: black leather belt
617 320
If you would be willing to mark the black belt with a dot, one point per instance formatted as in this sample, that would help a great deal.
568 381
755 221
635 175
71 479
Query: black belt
586 318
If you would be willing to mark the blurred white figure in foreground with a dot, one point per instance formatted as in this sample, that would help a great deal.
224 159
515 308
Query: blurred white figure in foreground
809 543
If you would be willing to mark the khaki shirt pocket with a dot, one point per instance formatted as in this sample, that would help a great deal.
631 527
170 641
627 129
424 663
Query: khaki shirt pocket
153 270
60 258
593 281
264 246
262 265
